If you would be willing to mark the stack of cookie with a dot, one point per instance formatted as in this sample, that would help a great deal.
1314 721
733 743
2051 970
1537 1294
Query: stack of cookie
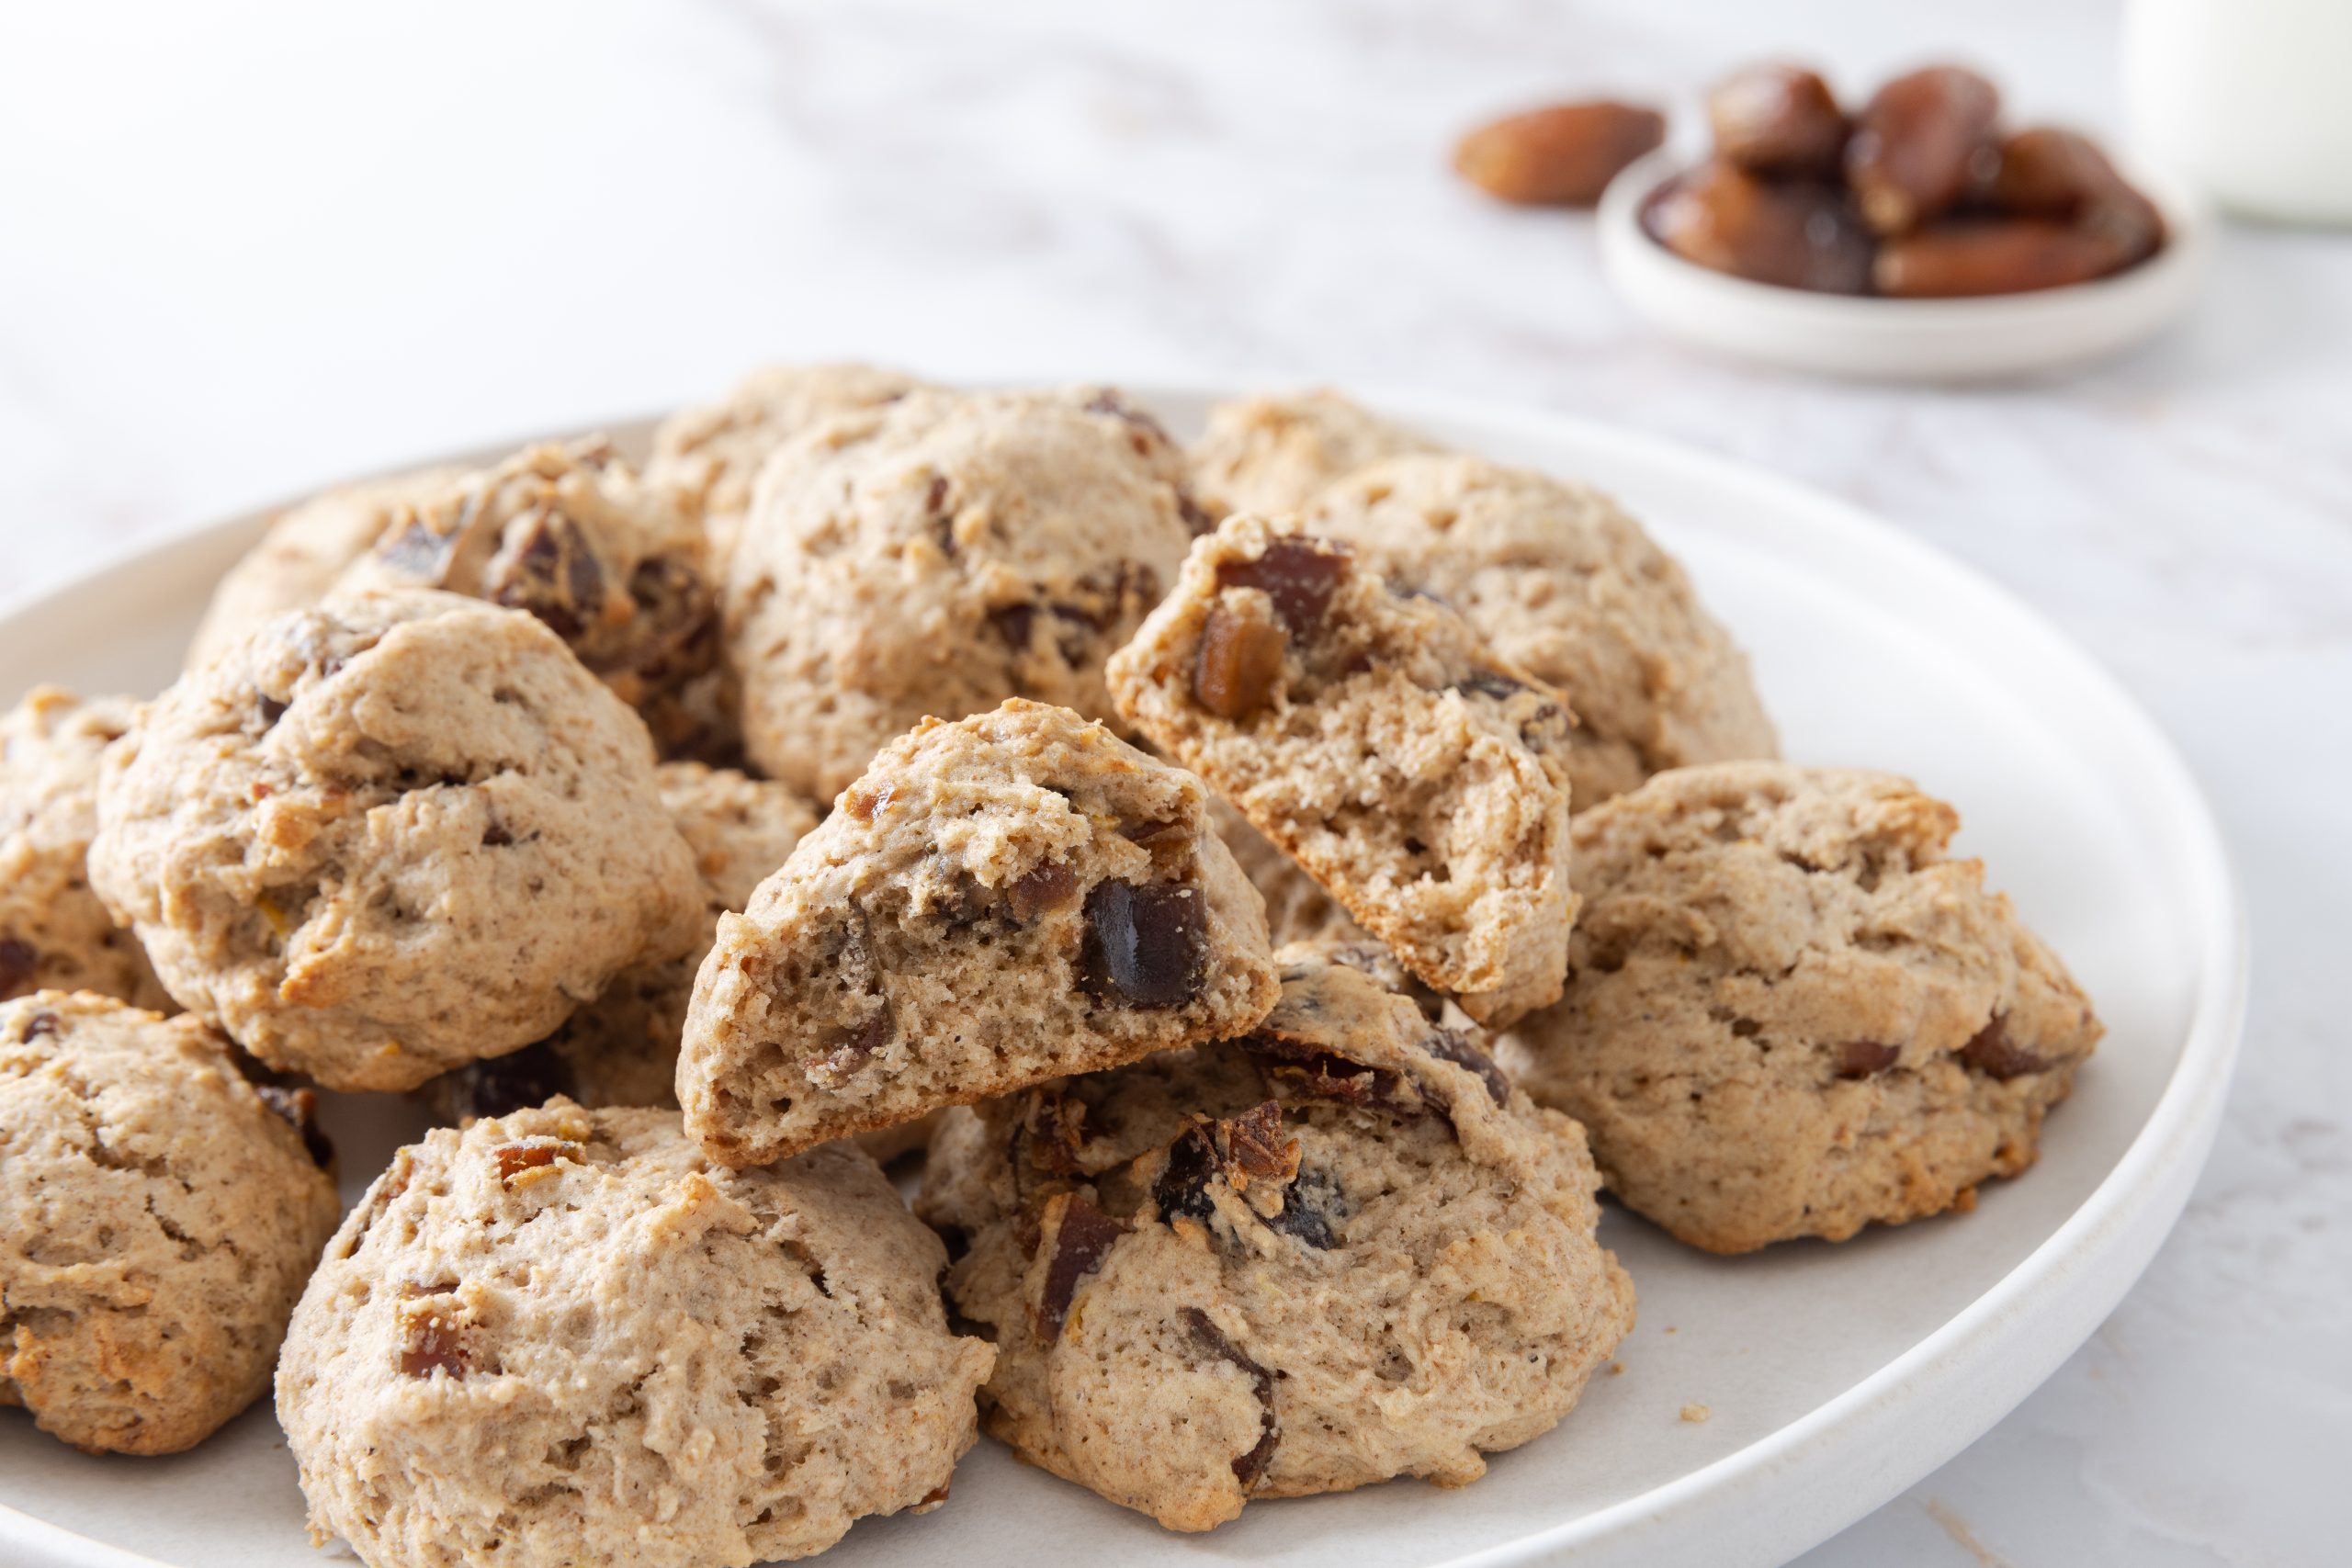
1281 885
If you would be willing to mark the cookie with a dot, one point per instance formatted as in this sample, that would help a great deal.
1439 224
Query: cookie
999 900
607 561
1340 1249
622 1048
1273 452
1297 909
305 550
1375 738
563 1336
933 557
158 1217
708 457
54 932
389 835
1564 584
1787 1014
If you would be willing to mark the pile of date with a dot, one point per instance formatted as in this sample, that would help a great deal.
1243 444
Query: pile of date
1918 194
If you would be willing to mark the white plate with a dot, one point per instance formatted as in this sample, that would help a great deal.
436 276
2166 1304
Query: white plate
1900 340
1836 1376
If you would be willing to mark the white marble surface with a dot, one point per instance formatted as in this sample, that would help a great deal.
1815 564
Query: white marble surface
245 249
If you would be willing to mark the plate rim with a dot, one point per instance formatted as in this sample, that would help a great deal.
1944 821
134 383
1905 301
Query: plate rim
2125 1218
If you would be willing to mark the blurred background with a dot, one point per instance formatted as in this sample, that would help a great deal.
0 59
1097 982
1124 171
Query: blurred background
247 249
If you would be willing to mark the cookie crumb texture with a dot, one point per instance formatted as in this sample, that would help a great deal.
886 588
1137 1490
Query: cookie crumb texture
157 1220
391 835
1566 586
55 934
607 561
562 1336
622 1048
1789 1015
936 555
1274 452
996 901
1375 738
1337 1250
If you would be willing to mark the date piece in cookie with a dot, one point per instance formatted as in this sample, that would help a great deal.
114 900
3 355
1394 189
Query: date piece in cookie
391 835
996 901
622 1048
607 561
1566 586
1789 1015
708 457
937 556
1338 1249
563 1336
158 1216
54 932
307 547
1274 452
1377 739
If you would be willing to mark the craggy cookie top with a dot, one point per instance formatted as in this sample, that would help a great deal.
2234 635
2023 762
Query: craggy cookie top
1789 1014
709 455
158 1216
392 834
1338 1249
936 555
1015 895
1375 738
564 1336
54 932
1561 582
570 534
306 549
1273 452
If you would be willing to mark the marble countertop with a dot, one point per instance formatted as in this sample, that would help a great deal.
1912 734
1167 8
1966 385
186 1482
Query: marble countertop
247 249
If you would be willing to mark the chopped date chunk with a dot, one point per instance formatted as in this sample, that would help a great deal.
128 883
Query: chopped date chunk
1046 887
1237 665
852 1048
514 1159
1992 1053
1310 1073
1452 1046
431 1341
1210 1340
300 1106
517 1081
40 1024
865 805
1250 1147
1080 1235
1490 683
1146 945
1862 1058
1312 1209
1298 575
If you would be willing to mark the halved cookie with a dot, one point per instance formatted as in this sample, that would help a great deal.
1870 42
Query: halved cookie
1374 737
996 901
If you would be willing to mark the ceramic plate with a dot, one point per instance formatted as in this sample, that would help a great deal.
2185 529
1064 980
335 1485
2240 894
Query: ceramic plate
1900 340
1835 1376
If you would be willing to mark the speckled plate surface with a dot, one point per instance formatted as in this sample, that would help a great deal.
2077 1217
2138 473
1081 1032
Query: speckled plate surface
1835 1376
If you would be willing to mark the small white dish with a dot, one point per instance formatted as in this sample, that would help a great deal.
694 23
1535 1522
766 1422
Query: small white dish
1835 1376
1900 340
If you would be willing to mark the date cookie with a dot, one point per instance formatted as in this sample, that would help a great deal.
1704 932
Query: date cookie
622 1048
1000 900
1374 738
306 549
55 934
708 457
563 1336
389 835
608 562
158 1216
1566 586
932 557
1789 1015
1340 1249
1272 453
